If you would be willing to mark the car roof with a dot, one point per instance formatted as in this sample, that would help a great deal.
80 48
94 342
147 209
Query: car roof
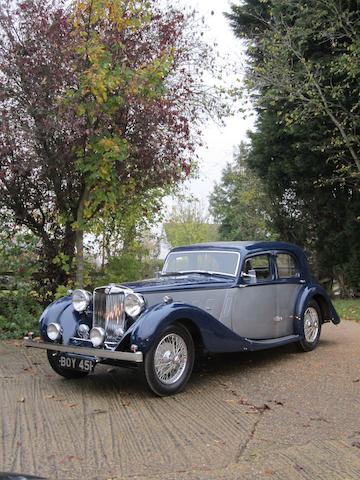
242 246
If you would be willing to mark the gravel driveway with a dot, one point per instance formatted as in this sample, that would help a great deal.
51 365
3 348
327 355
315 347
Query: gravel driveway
277 414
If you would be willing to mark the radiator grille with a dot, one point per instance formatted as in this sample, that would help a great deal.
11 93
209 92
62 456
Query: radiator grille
109 312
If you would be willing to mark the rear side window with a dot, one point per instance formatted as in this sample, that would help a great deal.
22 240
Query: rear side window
261 265
287 266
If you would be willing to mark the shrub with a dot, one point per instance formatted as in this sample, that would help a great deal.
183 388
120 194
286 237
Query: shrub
19 313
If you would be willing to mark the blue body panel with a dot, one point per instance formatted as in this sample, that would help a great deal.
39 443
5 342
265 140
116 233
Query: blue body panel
215 336
316 292
62 312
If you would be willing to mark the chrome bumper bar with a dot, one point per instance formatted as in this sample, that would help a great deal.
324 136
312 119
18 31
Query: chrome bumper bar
136 357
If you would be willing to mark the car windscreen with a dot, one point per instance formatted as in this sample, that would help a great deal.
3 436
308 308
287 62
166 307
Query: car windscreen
217 262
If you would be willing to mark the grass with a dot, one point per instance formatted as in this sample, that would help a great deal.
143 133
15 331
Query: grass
348 309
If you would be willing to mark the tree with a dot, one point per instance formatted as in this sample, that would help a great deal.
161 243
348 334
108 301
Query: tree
308 54
239 203
97 101
318 215
188 224
297 150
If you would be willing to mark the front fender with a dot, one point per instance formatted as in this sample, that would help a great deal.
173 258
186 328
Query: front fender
317 293
62 312
215 336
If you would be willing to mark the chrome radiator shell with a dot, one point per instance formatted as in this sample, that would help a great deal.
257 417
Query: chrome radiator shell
109 311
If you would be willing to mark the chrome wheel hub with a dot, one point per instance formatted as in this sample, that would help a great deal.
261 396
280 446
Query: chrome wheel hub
170 359
311 324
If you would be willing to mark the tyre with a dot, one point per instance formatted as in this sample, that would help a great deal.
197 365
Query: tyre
53 358
310 327
169 363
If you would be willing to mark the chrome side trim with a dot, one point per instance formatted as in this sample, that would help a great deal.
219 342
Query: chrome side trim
136 357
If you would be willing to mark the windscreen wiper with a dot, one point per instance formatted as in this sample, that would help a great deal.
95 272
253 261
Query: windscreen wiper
192 272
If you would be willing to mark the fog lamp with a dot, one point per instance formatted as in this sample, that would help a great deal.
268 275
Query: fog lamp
54 331
97 336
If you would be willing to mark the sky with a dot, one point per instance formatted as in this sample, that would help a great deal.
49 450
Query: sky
220 142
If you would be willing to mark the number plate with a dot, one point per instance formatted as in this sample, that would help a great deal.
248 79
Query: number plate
73 363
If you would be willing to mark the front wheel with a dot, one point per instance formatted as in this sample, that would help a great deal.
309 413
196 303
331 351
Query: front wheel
169 363
53 358
310 327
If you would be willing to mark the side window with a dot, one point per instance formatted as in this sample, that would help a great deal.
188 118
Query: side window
261 265
287 266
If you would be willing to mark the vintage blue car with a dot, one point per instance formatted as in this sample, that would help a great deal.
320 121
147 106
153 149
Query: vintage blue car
214 297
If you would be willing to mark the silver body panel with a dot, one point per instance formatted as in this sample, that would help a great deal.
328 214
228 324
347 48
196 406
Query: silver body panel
257 312
209 300
287 294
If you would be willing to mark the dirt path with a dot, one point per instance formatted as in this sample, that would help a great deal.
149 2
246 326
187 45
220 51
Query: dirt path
277 414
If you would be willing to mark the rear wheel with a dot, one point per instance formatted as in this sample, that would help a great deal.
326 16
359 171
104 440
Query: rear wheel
53 358
169 363
310 327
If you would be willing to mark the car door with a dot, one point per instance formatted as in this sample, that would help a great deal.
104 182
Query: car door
289 283
255 303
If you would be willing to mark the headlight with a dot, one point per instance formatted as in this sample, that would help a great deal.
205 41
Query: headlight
81 300
134 304
97 336
54 331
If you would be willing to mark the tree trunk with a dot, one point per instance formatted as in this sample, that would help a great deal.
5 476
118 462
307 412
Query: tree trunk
79 258
79 279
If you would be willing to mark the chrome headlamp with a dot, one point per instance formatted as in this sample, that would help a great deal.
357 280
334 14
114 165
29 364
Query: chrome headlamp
81 300
54 332
134 304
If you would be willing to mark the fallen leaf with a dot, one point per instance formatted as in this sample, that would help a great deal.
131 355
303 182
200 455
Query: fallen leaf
357 380
269 471
21 400
71 405
356 444
48 397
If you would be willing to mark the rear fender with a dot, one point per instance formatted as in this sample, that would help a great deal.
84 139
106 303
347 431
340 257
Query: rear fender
318 294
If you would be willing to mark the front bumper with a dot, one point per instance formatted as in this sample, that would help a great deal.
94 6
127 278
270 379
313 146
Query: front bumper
100 354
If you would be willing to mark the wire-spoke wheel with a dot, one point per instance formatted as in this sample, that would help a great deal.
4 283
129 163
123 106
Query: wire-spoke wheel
311 327
168 365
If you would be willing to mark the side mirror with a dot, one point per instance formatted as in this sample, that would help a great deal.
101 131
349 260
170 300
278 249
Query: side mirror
249 277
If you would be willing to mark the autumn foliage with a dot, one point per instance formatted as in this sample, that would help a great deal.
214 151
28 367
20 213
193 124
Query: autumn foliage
100 103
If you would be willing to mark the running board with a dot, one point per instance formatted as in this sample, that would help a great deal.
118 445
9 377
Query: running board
271 343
